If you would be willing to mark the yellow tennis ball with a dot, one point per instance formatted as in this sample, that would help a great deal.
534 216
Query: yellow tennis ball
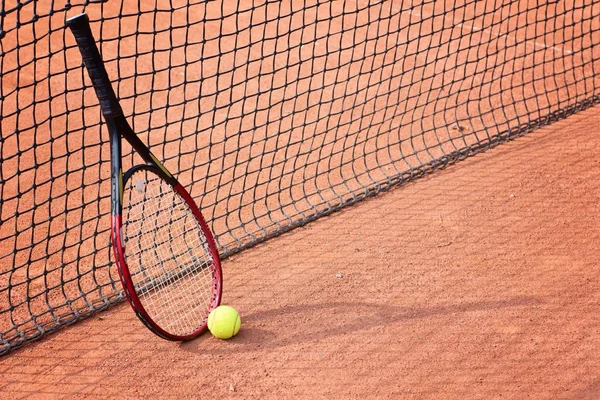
224 322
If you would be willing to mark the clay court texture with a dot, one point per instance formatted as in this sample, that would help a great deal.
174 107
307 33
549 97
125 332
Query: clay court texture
477 280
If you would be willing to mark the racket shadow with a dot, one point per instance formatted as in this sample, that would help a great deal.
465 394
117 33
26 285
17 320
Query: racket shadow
300 324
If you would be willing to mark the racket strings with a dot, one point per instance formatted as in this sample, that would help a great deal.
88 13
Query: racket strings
167 255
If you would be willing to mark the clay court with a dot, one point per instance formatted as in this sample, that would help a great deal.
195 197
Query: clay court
479 281
409 274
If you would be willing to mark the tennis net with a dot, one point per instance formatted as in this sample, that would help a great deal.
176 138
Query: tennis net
272 113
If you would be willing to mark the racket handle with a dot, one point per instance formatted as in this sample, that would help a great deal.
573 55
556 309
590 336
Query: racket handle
80 27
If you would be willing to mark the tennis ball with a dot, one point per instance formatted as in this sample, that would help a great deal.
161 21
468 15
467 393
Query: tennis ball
224 322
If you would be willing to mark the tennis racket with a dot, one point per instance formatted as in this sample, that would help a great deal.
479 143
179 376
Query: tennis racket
166 256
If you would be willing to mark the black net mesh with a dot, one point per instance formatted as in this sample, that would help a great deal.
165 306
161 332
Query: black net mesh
272 113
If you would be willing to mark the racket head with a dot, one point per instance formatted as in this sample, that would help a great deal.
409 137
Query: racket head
166 255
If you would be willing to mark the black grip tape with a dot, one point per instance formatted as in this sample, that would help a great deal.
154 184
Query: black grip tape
80 27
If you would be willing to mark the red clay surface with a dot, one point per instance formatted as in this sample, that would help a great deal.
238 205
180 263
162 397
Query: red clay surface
479 281
289 108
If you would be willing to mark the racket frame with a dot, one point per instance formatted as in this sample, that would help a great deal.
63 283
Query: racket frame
118 128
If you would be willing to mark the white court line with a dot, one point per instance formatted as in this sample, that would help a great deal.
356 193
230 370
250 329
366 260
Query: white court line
474 28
